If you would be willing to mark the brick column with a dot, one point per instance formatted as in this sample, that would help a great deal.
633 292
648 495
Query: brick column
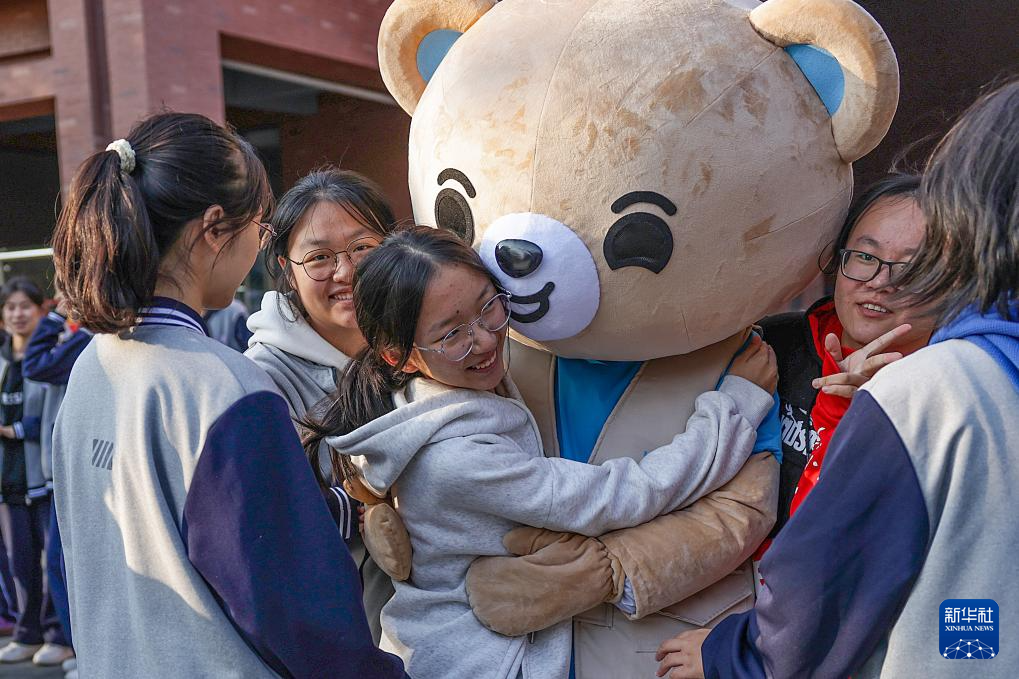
78 111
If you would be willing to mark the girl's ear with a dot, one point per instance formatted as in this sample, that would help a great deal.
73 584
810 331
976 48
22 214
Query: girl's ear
286 272
392 358
214 236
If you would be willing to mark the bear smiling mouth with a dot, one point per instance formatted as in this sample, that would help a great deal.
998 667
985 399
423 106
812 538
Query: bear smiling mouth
540 298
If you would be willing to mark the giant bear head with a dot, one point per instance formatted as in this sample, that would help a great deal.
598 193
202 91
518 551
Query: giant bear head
647 177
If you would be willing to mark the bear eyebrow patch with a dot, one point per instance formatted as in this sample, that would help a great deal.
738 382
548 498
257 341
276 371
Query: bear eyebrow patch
457 175
634 197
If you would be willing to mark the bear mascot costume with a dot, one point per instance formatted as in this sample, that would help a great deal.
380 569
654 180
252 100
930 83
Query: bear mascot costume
647 178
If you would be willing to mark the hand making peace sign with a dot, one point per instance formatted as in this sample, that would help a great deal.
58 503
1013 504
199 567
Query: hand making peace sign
859 366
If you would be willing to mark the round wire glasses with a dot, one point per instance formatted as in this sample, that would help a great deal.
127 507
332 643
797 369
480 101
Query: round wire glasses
321 264
459 342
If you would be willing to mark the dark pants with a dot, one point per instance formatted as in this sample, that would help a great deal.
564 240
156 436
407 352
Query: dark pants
24 528
55 575
8 597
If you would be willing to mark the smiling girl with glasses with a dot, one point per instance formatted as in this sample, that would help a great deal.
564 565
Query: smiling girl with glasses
306 331
427 414
827 352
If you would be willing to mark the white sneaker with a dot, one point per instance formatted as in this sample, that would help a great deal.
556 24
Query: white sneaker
52 655
69 664
73 674
15 652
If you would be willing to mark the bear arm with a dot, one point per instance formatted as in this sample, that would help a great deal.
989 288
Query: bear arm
677 555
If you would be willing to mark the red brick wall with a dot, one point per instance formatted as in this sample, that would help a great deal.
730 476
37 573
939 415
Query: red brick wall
24 27
357 135
167 52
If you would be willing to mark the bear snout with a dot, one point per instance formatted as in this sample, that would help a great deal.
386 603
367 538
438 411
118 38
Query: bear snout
548 270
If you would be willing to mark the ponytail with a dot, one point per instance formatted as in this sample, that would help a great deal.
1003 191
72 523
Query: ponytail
105 249
365 393
128 206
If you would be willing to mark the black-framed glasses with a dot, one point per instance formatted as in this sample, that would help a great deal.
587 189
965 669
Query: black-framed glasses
864 267
321 264
459 342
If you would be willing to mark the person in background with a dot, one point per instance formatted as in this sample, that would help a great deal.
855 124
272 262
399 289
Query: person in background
827 352
25 482
52 350
195 539
306 330
915 506
229 325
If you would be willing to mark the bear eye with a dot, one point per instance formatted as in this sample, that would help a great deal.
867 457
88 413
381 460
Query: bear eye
640 238
451 209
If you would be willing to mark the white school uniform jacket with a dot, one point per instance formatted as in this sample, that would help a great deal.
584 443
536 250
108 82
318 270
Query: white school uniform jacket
195 538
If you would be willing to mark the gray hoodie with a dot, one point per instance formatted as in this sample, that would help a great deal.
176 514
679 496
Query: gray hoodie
304 367
299 361
465 467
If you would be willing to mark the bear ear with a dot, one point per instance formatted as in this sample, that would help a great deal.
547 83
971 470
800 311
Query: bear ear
836 42
415 36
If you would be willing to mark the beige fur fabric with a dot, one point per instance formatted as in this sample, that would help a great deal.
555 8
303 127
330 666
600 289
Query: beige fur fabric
858 43
560 109
407 23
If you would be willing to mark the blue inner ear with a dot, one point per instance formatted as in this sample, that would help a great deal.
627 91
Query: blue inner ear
823 72
433 49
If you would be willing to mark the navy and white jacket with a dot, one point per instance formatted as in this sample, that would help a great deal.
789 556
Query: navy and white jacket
187 508
49 357
914 507
50 354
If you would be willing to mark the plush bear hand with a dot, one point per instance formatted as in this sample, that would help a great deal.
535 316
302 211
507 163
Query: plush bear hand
557 576
386 539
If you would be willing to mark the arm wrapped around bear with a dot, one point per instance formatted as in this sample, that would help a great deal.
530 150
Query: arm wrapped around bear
558 575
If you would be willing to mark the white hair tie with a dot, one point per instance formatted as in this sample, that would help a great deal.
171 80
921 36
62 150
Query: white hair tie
126 153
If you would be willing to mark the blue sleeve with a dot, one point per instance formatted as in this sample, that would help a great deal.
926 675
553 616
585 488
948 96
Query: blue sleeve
45 359
28 429
257 529
769 434
241 333
839 572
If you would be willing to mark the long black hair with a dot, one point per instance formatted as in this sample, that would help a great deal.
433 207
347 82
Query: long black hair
362 199
894 186
120 220
970 198
389 289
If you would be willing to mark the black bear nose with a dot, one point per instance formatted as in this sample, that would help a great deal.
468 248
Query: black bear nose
517 258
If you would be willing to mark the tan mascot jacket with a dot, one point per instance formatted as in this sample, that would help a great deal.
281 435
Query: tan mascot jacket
708 540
